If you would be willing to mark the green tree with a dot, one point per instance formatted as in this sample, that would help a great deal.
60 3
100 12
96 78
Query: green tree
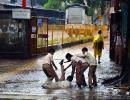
75 1
55 4
99 5
60 4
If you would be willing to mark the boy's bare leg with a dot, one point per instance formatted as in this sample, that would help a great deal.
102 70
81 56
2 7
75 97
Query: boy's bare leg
62 73
56 77
94 75
84 82
62 70
73 71
90 73
99 59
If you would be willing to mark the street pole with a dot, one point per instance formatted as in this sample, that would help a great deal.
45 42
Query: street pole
31 4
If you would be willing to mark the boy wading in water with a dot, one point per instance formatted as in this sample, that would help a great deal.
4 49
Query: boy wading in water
62 78
92 80
48 64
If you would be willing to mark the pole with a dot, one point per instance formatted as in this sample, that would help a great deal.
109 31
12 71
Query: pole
31 4
52 35
63 29
47 32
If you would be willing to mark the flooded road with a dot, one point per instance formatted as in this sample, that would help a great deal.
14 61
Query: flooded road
22 79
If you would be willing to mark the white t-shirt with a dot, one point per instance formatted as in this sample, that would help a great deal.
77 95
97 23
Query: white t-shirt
76 59
88 57
48 59
91 60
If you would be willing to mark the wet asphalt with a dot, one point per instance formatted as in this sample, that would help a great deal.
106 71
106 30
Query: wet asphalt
23 79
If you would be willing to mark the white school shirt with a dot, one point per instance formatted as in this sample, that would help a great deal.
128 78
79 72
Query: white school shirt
48 59
77 59
88 57
91 60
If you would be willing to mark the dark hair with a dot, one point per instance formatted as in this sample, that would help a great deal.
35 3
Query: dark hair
68 55
70 78
84 49
100 32
51 50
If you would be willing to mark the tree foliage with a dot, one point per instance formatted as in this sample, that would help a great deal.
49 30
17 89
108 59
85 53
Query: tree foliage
60 4
76 1
99 5
54 4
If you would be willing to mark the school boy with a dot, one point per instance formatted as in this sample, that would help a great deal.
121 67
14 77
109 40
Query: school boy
48 64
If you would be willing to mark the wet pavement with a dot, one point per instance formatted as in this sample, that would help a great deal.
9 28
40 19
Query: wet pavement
22 79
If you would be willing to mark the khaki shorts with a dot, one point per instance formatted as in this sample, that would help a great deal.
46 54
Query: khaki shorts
48 70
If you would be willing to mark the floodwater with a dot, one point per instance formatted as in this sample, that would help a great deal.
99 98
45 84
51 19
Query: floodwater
22 79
